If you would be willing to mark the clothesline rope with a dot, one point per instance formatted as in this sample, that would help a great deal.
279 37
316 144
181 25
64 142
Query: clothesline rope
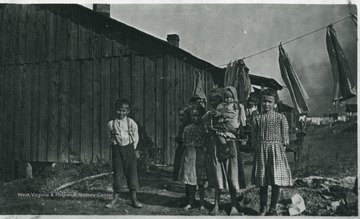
289 41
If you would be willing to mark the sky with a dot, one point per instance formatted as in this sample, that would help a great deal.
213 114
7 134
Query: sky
221 33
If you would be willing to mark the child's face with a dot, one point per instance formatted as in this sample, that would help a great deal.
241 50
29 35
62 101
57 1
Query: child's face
122 111
214 101
195 117
250 104
268 103
228 97
182 116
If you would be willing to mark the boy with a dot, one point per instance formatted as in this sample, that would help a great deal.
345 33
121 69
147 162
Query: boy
124 137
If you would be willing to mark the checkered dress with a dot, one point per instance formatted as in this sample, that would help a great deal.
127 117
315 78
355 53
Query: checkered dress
193 162
269 133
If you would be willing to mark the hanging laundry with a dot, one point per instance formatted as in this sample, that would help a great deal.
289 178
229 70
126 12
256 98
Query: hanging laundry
237 75
344 85
354 18
290 78
198 92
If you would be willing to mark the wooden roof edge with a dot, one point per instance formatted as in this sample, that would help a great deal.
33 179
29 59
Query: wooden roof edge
203 65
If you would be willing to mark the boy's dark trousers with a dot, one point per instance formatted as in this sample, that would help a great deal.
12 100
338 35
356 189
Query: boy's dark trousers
124 161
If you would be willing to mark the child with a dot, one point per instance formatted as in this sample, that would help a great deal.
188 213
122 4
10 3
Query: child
269 132
229 174
193 163
124 138
227 114
184 118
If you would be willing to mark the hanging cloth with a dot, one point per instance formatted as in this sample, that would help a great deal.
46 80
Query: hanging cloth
198 91
290 78
237 75
344 85
354 18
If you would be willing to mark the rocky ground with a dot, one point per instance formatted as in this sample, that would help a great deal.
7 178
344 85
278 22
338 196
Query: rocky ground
324 179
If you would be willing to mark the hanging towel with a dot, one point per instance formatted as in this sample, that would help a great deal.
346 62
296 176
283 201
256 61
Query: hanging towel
344 85
198 91
290 78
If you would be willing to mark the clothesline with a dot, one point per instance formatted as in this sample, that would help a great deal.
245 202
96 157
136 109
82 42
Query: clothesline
289 41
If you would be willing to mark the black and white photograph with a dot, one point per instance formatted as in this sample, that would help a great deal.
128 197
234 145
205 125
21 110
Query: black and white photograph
189 108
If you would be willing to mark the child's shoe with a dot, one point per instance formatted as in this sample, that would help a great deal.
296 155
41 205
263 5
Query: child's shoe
115 202
134 201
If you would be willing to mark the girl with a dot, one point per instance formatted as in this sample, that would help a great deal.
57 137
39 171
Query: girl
193 162
227 114
269 131
184 118
228 174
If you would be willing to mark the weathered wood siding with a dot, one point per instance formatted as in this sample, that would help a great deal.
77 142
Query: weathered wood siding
60 75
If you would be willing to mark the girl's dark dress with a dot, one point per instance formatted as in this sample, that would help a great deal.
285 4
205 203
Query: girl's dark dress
179 151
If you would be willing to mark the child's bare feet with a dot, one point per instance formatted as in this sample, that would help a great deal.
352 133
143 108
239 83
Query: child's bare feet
202 208
233 211
215 210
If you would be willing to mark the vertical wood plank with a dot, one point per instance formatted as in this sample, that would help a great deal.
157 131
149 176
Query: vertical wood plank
31 34
7 30
17 112
12 34
86 112
61 37
95 44
175 105
74 114
21 34
34 112
53 131
64 109
2 107
167 103
84 46
9 83
106 45
117 48
181 83
26 112
73 33
2 33
137 86
51 35
150 99
41 46
114 84
126 85
105 107
44 83
6 111
159 115
186 83
97 125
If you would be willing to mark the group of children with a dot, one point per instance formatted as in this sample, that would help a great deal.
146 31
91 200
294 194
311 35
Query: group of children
269 134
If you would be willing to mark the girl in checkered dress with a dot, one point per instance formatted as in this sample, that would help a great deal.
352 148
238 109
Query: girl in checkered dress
193 163
269 131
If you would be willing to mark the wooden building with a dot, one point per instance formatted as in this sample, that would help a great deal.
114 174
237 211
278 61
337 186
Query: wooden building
63 66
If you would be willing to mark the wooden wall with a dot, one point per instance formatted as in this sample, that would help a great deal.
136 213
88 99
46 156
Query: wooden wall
60 78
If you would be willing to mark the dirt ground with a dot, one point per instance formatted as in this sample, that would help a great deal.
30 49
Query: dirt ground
330 153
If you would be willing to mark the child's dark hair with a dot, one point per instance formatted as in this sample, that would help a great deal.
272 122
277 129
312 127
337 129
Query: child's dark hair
120 102
199 108
186 108
270 92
